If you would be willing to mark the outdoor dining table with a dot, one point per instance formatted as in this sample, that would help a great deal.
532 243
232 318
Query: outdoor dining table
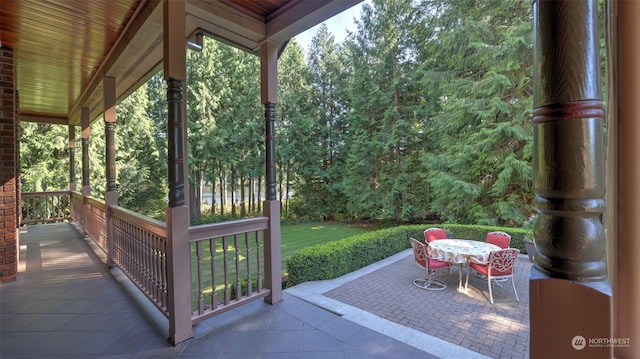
460 251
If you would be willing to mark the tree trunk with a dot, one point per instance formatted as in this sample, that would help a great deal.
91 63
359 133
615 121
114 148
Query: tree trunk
260 193
243 200
195 196
251 196
233 191
280 183
287 189
222 192
213 197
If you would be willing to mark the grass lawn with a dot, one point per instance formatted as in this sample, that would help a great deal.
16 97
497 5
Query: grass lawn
294 237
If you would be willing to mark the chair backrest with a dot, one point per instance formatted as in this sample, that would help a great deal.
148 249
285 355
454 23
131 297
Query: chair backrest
501 261
500 239
419 252
432 234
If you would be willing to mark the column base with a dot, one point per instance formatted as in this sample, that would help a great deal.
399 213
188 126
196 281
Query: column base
570 319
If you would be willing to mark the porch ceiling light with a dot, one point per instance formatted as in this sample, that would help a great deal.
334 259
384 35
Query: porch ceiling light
198 44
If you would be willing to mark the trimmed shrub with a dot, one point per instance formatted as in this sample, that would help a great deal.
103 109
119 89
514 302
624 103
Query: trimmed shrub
334 259
244 287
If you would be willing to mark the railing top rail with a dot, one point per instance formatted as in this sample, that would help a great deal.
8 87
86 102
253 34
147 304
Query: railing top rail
40 194
147 223
96 202
206 231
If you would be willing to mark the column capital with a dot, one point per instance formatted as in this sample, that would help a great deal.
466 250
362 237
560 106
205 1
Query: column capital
269 72
175 43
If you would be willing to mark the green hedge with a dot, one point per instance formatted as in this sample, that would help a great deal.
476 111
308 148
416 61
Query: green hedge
334 259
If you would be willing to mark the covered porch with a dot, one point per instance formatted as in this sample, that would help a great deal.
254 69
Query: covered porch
121 47
580 268
68 304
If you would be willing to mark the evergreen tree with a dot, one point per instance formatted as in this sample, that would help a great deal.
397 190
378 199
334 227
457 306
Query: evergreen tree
424 111
44 157
296 157
379 178
203 101
142 184
319 186
478 60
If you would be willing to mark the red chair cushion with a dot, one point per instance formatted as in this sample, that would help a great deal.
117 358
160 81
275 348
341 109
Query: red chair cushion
499 240
484 270
434 234
435 264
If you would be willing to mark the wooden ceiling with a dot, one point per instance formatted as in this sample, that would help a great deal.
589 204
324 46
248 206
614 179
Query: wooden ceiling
63 49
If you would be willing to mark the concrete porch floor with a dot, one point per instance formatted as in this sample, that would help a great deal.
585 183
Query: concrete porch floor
67 304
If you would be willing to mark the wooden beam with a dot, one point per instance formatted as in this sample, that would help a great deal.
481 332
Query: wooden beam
40 118
302 16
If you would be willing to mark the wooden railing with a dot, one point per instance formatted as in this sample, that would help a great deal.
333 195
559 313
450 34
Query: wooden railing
140 251
45 207
228 264
77 208
95 224
227 261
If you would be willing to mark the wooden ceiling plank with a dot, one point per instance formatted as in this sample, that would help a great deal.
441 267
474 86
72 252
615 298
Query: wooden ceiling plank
142 13
63 49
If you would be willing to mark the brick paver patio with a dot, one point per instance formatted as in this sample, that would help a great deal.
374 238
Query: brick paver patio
466 319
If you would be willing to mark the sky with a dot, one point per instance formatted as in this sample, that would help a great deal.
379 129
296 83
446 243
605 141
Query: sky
337 25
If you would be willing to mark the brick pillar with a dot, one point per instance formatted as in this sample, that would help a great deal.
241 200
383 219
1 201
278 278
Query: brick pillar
9 203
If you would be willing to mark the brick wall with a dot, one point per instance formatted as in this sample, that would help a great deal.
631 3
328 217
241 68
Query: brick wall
8 169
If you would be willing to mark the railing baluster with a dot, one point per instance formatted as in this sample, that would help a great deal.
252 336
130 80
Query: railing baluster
116 240
48 204
258 257
58 211
163 268
237 253
214 284
154 266
225 251
37 208
139 255
248 256
199 271
50 207
147 257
